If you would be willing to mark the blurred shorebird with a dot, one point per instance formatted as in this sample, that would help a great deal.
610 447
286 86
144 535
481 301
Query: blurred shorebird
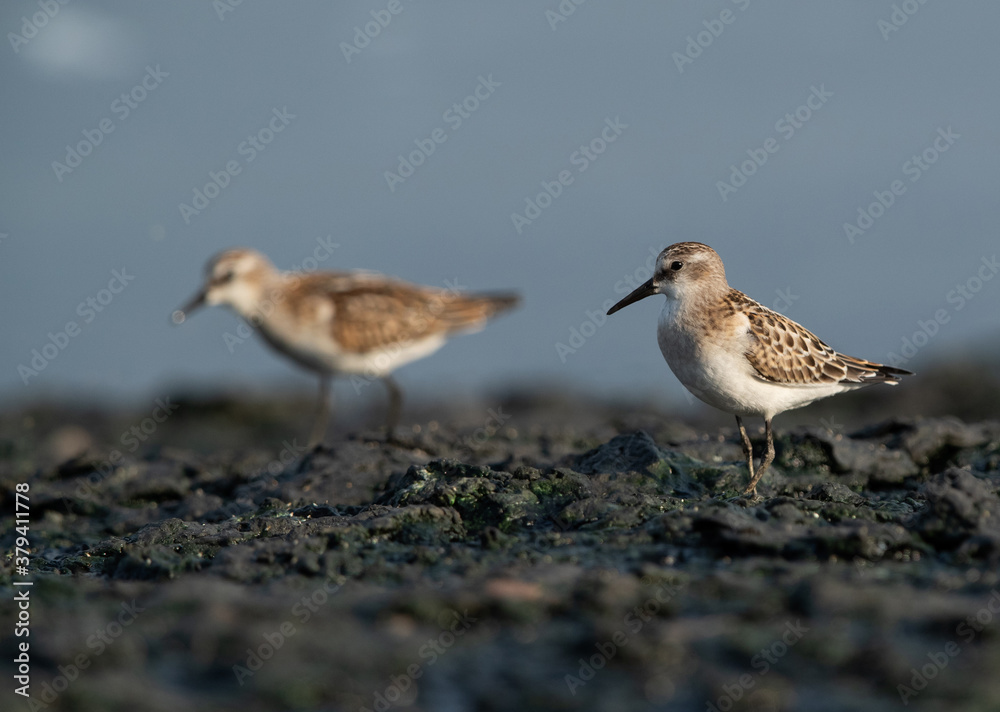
739 356
359 323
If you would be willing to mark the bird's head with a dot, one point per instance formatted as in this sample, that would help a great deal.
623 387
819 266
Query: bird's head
683 271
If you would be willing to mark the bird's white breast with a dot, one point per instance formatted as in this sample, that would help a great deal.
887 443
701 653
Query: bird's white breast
712 365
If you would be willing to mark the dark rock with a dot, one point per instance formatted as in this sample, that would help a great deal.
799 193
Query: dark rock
933 443
634 452
963 510
494 574
867 460
835 492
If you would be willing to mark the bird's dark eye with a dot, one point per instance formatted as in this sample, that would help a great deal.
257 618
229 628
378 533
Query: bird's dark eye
225 277
676 265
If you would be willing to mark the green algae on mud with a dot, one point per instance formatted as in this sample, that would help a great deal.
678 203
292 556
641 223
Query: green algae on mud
351 562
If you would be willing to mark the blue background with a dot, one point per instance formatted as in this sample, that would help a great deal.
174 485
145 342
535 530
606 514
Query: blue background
557 80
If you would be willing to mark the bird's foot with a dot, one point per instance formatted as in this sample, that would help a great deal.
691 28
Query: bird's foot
744 498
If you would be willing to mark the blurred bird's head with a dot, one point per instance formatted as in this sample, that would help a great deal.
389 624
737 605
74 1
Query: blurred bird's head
235 278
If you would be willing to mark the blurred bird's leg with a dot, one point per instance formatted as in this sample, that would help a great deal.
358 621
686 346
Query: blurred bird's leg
322 411
395 407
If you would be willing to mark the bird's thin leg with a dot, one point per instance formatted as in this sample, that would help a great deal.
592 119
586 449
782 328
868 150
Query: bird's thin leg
765 461
747 452
322 412
395 407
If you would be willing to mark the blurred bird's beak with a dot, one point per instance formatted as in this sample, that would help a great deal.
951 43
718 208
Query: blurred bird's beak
181 314
646 289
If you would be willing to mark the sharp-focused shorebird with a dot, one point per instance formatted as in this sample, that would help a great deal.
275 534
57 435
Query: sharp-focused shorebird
738 355
358 323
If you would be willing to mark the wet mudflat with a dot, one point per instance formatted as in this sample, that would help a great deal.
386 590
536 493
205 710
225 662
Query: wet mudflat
532 554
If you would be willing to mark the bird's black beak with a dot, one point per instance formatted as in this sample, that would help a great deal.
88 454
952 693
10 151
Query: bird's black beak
181 314
646 289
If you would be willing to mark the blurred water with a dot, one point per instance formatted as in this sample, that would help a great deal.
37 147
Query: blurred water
515 145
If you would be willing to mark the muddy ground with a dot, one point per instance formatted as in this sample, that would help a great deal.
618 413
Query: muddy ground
522 552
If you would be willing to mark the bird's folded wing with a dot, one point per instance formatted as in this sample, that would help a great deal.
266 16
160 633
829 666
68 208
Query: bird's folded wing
782 351
377 317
